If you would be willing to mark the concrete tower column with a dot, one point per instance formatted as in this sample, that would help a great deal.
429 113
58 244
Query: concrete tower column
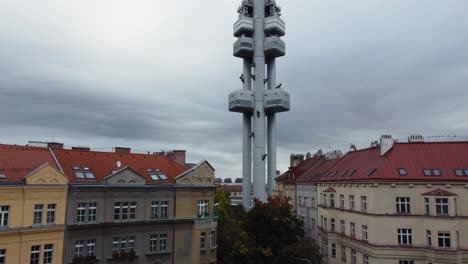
259 153
271 131
247 142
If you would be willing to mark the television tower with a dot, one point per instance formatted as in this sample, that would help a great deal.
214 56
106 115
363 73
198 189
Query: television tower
259 31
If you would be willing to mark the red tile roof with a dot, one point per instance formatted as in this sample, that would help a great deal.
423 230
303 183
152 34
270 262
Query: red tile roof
103 163
297 171
18 161
413 157
317 171
232 188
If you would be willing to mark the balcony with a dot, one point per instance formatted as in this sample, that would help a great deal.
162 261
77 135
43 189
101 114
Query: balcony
241 101
244 48
276 100
274 47
243 26
275 25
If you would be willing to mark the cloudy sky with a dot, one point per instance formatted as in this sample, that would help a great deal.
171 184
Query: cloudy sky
154 74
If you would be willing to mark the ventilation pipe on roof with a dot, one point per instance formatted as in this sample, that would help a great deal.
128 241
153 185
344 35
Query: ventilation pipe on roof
415 138
295 159
386 143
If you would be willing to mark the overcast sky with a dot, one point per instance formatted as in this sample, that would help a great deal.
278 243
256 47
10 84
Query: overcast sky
155 74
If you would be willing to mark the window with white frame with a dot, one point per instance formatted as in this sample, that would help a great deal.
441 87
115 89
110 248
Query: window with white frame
332 200
4 213
325 202
48 253
341 200
125 243
91 247
2 256
332 224
50 217
352 228
427 206
132 214
153 243
325 223
81 213
35 254
403 205
92 212
351 202
442 206
407 261
124 211
364 203
164 209
202 208
79 246
343 252
428 238
86 212
342 226
444 239
333 250
213 239
203 241
37 217
365 259
353 257
405 236
162 242
365 234
154 209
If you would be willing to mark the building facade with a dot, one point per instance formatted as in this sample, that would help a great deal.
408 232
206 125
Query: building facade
396 203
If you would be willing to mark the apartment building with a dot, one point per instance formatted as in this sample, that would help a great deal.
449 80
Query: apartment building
32 206
115 207
396 203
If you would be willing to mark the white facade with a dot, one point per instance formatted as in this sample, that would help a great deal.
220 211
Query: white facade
307 208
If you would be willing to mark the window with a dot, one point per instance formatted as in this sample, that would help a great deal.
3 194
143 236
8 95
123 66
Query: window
312 202
353 256
342 226
156 174
37 218
162 242
372 172
442 206
332 224
81 212
427 172
332 200
83 173
325 224
131 243
35 252
4 212
202 240
352 227
352 173
164 209
153 243
2 256
324 202
444 240
313 224
333 250
405 236
341 200
461 172
428 238
343 253
202 208
364 233
124 211
344 173
155 209
92 212
403 205
213 239
402 171
365 259
351 202
436 172
79 244
364 203
406 262
48 252
91 247
50 214
427 205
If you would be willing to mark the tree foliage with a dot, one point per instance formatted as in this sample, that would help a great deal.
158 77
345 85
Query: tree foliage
269 233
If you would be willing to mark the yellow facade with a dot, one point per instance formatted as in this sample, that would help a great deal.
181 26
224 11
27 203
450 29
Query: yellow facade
44 186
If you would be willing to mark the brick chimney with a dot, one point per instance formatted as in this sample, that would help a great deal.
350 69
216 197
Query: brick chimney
82 148
122 150
178 156
55 145
295 159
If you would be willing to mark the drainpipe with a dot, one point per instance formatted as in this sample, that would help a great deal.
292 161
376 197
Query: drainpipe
173 226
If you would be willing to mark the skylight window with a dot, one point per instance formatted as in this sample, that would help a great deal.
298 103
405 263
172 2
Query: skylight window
402 171
372 172
461 172
162 176
334 173
155 177
352 173
436 172
83 173
2 176
427 172
344 173
156 174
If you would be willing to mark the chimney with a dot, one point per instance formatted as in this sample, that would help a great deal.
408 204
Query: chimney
415 138
122 150
178 156
82 148
295 159
55 145
318 154
352 148
386 143
308 155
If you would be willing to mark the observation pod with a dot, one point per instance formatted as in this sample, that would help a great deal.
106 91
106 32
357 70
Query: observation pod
275 26
277 100
243 48
243 26
241 101
274 47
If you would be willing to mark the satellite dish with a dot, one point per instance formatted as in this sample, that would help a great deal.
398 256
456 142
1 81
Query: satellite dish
119 164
